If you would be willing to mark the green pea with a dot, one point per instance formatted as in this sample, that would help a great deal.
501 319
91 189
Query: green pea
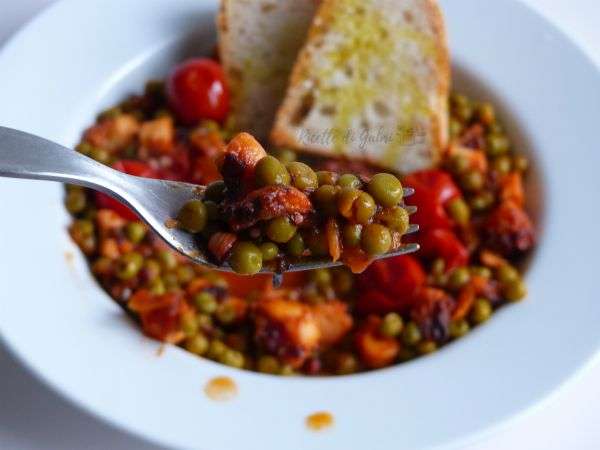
326 177
438 266
472 180
76 201
285 155
205 321
212 211
346 364
507 274
135 231
226 313
85 148
364 208
386 189
215 191
325 199
287 370
295 247
281 230
349 180
269 171
411 334
245 258
486 113
459 211
481 311
375 239
317 244
502 164
157 287
100 155
232 358
465 113
205 302
458 278
303 177
269 251
459 99
167 259
520 163
351 234
192 217
189 324
396 218
129 265
268 364
170 281
481 271
151 268
455 127
459 163
197 344
482 201
497 144
185 274
391 325
458 328
426 347
322 277
515 291
343 280
216 349
110 113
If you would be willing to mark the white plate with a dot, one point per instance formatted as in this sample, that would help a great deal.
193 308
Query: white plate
79 57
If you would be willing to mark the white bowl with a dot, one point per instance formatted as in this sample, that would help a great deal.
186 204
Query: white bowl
79 57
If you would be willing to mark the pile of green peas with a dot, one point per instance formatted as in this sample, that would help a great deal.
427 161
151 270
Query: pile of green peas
368 213
502 159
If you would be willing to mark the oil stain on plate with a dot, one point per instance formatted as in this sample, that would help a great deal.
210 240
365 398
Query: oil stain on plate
221 389
319 421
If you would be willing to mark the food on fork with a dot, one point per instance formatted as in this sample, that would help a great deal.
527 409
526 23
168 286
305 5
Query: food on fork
371 83
265 213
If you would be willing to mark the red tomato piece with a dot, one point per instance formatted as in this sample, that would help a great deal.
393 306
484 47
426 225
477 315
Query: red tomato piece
390 285
131 167
196 90
443 243
433 190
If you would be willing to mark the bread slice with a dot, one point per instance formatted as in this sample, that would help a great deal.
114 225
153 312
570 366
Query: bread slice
258 44
371 83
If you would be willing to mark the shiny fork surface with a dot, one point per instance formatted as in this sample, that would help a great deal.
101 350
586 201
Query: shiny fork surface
157 202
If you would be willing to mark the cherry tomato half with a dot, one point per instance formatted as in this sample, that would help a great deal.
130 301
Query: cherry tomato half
443 243
433 190
196 90
131 167
390 285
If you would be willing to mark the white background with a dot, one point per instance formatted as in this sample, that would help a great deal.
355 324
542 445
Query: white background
33 417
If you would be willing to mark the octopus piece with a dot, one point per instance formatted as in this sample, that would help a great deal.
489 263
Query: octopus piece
286 329
239 161
158 135
509 230
268 203
114 134
374 349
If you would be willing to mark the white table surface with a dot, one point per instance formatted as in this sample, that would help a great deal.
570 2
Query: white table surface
34 417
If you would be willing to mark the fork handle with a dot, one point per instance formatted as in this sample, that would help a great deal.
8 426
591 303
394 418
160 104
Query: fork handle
23 155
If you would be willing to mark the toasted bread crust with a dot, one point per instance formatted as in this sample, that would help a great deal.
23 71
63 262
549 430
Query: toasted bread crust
284 133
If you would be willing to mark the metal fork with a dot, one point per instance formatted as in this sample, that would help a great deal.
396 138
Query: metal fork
23 155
